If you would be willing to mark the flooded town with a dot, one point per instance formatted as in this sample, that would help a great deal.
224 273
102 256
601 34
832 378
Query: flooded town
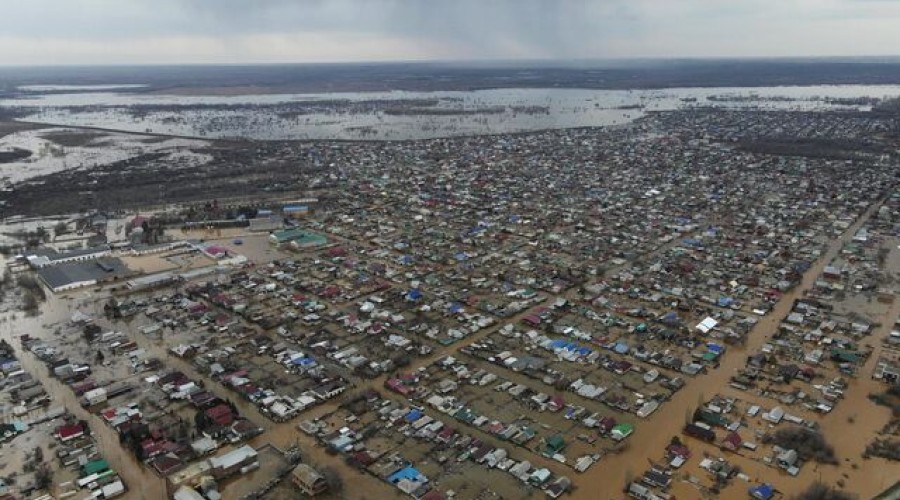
450 250
698 303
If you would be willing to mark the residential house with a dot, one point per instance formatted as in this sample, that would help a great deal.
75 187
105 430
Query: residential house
308 480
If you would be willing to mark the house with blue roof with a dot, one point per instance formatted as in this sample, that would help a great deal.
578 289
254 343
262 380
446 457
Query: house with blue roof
762 492
408 480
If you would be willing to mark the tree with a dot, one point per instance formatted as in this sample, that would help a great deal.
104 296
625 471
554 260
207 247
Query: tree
43 476
809 444
60 229
333 478
201 420
90 332
30 303
821 491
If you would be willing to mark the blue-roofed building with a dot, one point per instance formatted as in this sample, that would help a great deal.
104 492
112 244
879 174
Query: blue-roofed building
413 294
716 348
558 344
295 210
762 492
413 415
671 318
408 480
9 365
304 362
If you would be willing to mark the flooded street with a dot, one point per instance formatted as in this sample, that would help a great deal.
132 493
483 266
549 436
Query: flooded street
607 481
141 482
602 482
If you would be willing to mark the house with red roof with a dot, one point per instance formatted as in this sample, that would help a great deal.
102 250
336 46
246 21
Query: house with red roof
138 221
151 448
167 464
446 434
69 432
556 403
398 386
606 425
220 414
532 320
364 458
679 450
732 442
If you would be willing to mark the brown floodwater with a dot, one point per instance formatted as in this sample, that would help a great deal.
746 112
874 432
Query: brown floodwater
607 479
141 482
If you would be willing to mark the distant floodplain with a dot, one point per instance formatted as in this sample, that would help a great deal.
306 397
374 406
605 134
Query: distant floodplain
403 115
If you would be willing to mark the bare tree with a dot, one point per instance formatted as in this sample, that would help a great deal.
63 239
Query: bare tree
821 491
333 478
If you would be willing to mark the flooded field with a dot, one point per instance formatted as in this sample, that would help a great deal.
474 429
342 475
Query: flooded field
404 115
58 149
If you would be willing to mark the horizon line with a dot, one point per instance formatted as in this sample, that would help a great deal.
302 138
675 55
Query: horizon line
538 61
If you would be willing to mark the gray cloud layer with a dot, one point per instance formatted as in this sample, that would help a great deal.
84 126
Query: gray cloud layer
127 31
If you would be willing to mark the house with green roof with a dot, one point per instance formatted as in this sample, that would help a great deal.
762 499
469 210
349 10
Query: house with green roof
621 431
553 445
94 467
285 236
525 434
710 418
298 238
845 355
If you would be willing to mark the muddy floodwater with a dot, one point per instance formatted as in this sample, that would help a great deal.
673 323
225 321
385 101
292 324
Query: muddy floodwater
141 482
867 479
605 481
402 115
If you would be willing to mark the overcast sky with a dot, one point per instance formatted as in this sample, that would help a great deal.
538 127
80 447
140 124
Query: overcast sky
247 31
